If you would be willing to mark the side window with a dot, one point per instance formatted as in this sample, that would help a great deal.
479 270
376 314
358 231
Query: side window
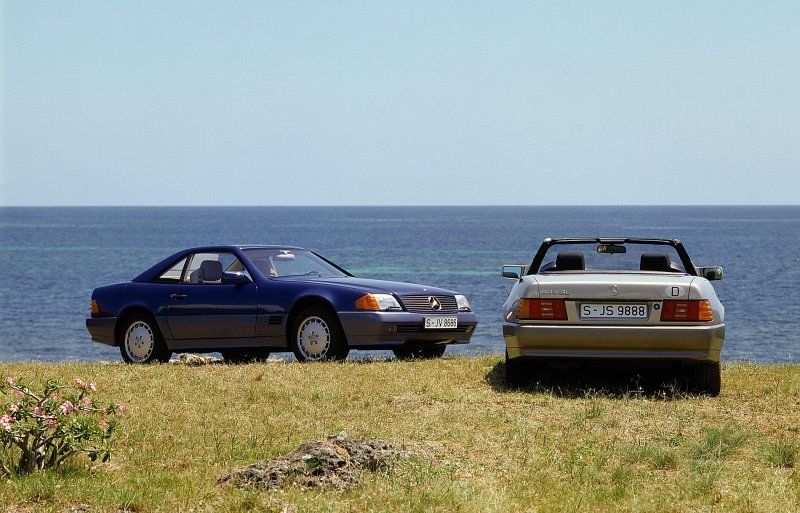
173 274
207 268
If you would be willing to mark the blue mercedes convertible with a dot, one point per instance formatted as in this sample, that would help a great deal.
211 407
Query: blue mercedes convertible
248 301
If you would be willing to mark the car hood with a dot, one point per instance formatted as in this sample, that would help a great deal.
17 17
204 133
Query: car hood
367 285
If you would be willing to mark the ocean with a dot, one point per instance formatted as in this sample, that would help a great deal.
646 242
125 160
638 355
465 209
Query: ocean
52 258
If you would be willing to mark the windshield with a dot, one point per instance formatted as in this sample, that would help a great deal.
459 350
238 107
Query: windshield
625 257
294 262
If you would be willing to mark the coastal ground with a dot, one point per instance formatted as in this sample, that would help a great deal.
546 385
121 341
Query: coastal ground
572 442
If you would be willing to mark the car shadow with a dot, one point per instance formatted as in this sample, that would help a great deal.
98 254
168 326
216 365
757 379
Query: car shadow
613 381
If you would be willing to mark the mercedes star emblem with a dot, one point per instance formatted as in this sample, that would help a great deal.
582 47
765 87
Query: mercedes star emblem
435 304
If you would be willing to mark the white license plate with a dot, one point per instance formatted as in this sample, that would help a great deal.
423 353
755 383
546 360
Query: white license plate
440 323
614 311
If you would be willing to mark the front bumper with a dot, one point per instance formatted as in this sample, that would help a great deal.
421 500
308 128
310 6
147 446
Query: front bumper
385 330
701 343
102 329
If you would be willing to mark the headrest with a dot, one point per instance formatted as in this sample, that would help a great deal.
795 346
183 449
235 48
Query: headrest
570 261
655 262
211 270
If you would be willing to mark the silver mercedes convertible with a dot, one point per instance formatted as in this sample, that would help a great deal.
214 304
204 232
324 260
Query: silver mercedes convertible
583 299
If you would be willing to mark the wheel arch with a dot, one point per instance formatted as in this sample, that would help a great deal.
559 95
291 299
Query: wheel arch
303 303
127 313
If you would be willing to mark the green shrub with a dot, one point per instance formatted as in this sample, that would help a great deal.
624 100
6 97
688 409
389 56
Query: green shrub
40 430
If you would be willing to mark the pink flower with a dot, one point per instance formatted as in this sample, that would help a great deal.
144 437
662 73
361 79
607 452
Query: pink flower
53 396
104 424
10 380
37 412
66 407
13 408
18 394
92 387
119 405
86 401
79 383
6 421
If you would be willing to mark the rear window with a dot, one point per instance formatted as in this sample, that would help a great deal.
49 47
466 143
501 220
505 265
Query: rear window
611 257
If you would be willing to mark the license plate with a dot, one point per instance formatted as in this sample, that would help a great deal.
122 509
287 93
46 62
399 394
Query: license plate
440 323
614 311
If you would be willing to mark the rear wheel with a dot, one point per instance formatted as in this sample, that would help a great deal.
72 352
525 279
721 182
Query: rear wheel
515 373
705 378
419 352
245 355
141 342
317 336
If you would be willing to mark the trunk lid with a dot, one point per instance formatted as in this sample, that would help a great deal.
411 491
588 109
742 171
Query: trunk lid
614 286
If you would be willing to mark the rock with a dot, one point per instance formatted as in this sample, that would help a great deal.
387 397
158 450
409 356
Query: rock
336 462
196 359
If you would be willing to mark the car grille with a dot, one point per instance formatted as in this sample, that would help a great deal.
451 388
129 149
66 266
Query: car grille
422 304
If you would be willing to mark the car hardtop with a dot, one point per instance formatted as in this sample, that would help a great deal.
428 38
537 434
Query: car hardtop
549 242
238 249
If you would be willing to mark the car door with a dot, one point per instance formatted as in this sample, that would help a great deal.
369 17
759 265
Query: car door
201 307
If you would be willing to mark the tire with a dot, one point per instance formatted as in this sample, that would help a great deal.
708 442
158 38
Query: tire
515 373
140 341
245 355
419 352
317 336
705 378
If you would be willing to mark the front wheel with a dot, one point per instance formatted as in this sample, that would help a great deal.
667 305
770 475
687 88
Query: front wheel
141 342
419 352
317 336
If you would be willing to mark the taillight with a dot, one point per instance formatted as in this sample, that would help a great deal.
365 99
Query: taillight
542 309
699 310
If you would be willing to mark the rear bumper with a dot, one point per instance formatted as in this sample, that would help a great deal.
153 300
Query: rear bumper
377 330
102 329
702 343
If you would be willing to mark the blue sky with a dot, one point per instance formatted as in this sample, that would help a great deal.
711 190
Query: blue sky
401 103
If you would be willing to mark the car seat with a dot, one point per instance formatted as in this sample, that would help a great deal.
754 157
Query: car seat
570 261
210 271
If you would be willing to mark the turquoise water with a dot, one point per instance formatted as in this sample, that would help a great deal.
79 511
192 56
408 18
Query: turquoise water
54 257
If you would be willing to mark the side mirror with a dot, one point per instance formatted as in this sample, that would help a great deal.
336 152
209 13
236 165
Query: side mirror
237 278
711 273
513 272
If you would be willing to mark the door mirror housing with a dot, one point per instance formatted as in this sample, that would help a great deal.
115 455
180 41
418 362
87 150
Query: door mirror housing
712 273
235 278
514 272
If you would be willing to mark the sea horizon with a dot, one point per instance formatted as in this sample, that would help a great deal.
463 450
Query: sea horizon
56 255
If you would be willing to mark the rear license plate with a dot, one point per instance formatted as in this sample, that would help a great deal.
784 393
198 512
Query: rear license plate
440 323
614 311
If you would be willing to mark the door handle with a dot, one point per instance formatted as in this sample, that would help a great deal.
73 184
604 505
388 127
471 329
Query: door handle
178 296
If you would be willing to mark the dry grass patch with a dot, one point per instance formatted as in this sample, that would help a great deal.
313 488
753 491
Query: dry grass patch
478 447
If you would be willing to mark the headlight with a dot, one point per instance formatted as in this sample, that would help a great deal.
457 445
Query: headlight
377 302
463 303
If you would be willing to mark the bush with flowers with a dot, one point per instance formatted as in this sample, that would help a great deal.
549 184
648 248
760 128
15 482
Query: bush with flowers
41 429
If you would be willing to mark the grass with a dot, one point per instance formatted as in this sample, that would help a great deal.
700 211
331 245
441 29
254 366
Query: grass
568 445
